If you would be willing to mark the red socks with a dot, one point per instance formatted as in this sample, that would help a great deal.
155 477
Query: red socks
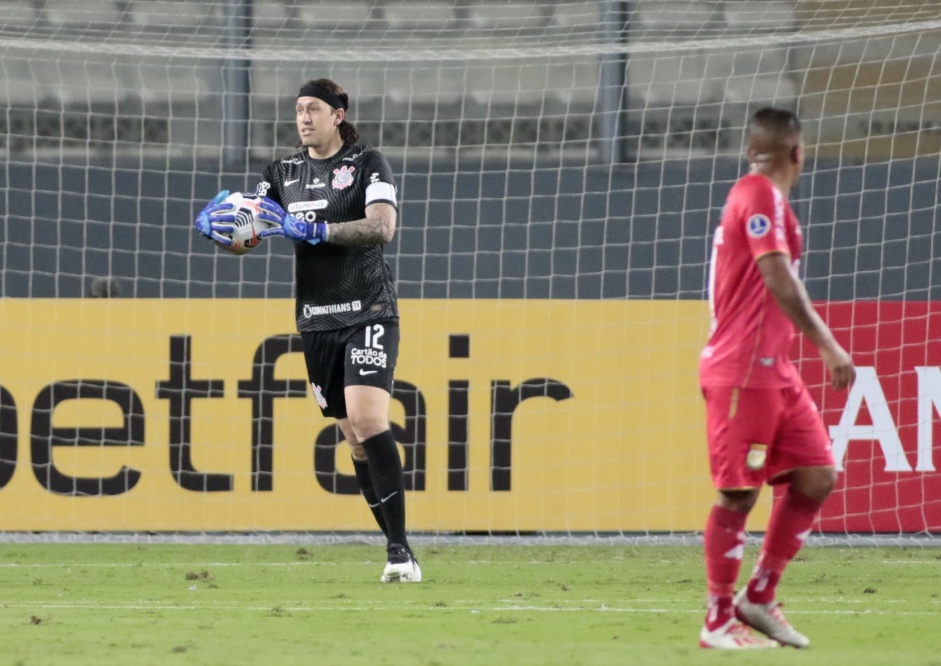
723 547
791 521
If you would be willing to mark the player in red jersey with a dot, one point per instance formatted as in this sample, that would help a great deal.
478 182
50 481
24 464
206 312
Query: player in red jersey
762 425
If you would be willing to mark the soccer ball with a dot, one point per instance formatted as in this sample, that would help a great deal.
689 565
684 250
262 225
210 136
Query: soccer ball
247 225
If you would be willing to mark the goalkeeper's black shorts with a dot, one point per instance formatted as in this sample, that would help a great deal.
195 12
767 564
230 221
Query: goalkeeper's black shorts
361 355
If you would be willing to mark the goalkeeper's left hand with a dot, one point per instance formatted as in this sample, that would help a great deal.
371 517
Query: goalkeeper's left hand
208 223
285 224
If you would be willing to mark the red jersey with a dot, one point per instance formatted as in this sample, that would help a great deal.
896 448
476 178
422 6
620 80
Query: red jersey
750 339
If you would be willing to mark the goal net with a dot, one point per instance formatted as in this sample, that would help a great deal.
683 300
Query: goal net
560 165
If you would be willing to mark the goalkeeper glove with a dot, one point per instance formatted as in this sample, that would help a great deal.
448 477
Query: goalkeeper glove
285 224
208 222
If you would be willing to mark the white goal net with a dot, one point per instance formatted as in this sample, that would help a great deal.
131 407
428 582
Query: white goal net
560 164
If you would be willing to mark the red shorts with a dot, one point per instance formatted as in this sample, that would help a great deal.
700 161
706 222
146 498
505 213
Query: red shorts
756 435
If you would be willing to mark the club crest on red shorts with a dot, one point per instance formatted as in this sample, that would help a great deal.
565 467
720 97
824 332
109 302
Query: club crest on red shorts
757 455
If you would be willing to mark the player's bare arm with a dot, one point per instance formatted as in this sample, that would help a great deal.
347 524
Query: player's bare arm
378 227
791 296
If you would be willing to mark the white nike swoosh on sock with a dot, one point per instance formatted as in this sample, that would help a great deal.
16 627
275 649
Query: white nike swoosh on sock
388 497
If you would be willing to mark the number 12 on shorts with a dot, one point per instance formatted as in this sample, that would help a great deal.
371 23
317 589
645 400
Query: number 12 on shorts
373 333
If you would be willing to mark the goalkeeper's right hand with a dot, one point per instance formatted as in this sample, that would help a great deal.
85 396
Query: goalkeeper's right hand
205 224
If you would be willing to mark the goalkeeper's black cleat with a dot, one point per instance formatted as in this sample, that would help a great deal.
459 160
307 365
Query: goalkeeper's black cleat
402 566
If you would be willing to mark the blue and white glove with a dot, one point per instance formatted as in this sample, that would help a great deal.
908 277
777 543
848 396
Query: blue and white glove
285 224
211 221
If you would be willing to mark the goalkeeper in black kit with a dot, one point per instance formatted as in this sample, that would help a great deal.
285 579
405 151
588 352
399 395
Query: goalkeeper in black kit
346 306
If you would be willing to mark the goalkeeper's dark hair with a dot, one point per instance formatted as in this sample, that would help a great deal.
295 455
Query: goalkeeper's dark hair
347 132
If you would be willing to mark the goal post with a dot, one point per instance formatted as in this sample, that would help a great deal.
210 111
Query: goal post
561 165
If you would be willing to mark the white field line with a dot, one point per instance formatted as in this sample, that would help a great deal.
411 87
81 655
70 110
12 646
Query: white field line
308 608
315 562
138 565
934 562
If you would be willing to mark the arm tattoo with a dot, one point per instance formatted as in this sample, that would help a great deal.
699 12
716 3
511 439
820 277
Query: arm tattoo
376 228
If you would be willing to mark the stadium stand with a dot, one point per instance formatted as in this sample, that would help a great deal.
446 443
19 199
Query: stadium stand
170 15
758 17
661 80
88 83
830 80
17 14
271 16
82 14
342 16
433 88
575 14
18 86
655 20
503 20
418 19
752 75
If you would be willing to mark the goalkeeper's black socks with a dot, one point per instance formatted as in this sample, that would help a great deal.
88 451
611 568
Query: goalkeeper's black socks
361 467
388 482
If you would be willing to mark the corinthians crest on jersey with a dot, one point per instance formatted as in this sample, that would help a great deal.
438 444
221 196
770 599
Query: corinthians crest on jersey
343 177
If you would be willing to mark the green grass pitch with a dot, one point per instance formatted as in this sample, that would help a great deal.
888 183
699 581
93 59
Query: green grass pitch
228 605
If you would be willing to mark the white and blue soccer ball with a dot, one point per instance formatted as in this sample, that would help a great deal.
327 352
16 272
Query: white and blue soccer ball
245 230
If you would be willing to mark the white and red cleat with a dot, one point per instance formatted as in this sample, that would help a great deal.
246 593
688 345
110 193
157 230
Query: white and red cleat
768 619
733 635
